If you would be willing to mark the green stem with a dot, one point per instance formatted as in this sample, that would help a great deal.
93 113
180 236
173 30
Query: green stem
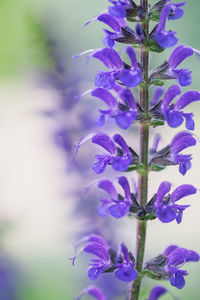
143 178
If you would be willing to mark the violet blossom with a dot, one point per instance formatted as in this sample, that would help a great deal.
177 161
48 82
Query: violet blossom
121 263
166 205
129 76
165 38
169 70
124 111
120 158
172 154
116 205
176 258
157 292
173 113
93 291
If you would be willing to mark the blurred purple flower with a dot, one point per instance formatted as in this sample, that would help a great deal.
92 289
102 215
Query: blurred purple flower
157 292
93 291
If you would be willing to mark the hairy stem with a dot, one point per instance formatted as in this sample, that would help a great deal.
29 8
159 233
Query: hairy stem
143 178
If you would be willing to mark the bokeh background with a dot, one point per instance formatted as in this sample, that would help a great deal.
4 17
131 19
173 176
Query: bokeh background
44 209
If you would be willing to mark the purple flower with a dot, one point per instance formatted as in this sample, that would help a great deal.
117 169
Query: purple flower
176 258
166 205
120 160
119 8
93 291
176 11
125 266
164 38
129 76
157 292
171 154
115 24
95 245
107 259
124 112
115 206
178 55
180 142
173 113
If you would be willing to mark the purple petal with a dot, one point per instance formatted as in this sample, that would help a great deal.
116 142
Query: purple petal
174 118
127 96
121 163
109 57
98 239
93 273
118 10
179 54
178 280
126 273
126 187
184 165
157 292
172 92
125 119
100 120
186 99
96 293
189 122
183 191
121 142
98 250
177 12
93 238
102 210
118 210
100 165
130 78
108 40
182 141
156 141
184 76
108 186
92 291
131 53
166 214
156 96
105 79
179 217
180 135
166 39
163 17
169 250
106 96
192 256
110 21
104 141
163 189
124 251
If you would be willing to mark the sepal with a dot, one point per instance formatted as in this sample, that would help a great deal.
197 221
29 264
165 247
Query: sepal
156 9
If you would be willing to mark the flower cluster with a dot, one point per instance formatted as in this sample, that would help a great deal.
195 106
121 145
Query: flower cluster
117 86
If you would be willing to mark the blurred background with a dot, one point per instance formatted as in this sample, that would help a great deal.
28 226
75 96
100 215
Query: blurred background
44 209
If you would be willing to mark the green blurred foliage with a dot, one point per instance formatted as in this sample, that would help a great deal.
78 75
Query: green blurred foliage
23 45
